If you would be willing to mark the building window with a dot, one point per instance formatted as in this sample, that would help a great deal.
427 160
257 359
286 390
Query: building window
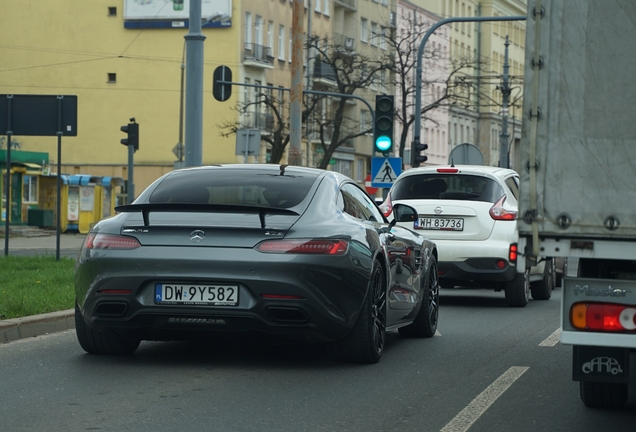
344 167
258 32
317 8
325 7
364 30
270 37
248 30
291 48
382 37
30 189
112 11
360 171
112 77
281 42
374 34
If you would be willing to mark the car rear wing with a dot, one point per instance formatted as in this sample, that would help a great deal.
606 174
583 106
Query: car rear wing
145 210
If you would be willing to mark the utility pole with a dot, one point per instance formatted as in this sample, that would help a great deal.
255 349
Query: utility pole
194 88
504 161
296 93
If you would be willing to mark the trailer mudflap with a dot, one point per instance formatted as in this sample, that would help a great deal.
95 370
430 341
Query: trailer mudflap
600 364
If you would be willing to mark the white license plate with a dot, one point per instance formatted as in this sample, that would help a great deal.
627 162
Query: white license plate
445 224
203 295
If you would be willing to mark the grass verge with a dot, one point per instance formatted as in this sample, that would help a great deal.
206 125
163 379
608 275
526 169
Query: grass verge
35 285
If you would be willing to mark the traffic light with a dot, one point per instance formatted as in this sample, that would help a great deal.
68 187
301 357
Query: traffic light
383 127
221 91
416 157
132 129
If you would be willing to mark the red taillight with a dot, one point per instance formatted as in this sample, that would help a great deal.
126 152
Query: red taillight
110 241
387 206
447 170
607 317
513 252
498 212
323 247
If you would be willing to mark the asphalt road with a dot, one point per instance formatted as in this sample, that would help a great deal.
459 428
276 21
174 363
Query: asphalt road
491 368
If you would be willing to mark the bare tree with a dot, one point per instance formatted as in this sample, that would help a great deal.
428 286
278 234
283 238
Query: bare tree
274 120
345 71
443 80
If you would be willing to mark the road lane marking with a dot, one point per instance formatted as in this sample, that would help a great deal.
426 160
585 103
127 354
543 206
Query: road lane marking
469 415
553 339
437 333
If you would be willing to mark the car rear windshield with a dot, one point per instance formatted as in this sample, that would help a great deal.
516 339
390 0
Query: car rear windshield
447 187
251 187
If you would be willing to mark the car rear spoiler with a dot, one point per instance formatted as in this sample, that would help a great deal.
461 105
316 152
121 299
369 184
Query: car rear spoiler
145 209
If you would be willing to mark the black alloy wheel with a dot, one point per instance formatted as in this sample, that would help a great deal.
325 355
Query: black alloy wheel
378 310
425 323
365 343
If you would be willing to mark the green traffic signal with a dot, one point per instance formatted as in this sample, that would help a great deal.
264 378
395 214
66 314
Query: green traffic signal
383 127
383 144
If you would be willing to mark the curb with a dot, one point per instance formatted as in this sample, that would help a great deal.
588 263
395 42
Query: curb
36 325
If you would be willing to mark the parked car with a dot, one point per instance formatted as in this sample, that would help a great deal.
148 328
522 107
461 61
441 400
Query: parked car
272 249
470 212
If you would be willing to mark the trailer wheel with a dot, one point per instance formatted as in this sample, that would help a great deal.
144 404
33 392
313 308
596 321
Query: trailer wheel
542 290
603 395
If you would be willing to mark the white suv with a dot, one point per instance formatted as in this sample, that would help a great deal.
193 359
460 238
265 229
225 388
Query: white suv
470 212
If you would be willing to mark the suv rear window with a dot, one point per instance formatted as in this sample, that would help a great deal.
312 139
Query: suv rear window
447 187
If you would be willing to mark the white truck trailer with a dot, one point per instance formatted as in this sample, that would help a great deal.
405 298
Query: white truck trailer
578 178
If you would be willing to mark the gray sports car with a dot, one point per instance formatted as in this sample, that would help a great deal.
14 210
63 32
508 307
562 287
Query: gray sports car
268 249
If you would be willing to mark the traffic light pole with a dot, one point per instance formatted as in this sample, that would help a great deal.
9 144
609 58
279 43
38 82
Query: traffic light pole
130 187
418 71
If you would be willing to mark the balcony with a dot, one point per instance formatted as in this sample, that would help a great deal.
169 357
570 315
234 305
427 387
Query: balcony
344 42
257 120
346 4
314 132
258 56
324 74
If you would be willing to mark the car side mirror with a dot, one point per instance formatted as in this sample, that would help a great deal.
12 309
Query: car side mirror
403 213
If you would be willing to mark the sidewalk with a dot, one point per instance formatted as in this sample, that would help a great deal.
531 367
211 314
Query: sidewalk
44 243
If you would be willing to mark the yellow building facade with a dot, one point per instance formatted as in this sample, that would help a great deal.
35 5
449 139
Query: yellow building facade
83 48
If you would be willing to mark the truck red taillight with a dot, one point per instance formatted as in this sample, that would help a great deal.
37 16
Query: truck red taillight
513 253
300 246
607 317
110 241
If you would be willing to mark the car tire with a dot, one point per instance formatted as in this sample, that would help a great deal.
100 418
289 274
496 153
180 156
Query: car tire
603 394
425 323
542 290
94 342
518 290
365 343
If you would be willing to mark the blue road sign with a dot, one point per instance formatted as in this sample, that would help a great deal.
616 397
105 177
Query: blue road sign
385 170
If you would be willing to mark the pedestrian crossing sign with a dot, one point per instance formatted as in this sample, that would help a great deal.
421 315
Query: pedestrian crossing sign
385 170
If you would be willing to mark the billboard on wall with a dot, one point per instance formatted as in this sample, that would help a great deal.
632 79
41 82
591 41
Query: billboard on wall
174 13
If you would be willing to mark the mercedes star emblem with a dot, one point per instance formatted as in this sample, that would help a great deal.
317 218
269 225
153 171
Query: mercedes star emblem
197 235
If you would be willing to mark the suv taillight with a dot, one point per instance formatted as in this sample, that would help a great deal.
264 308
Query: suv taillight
387 206
498 212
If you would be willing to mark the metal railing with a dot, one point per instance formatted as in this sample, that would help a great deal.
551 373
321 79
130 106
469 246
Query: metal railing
258 52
